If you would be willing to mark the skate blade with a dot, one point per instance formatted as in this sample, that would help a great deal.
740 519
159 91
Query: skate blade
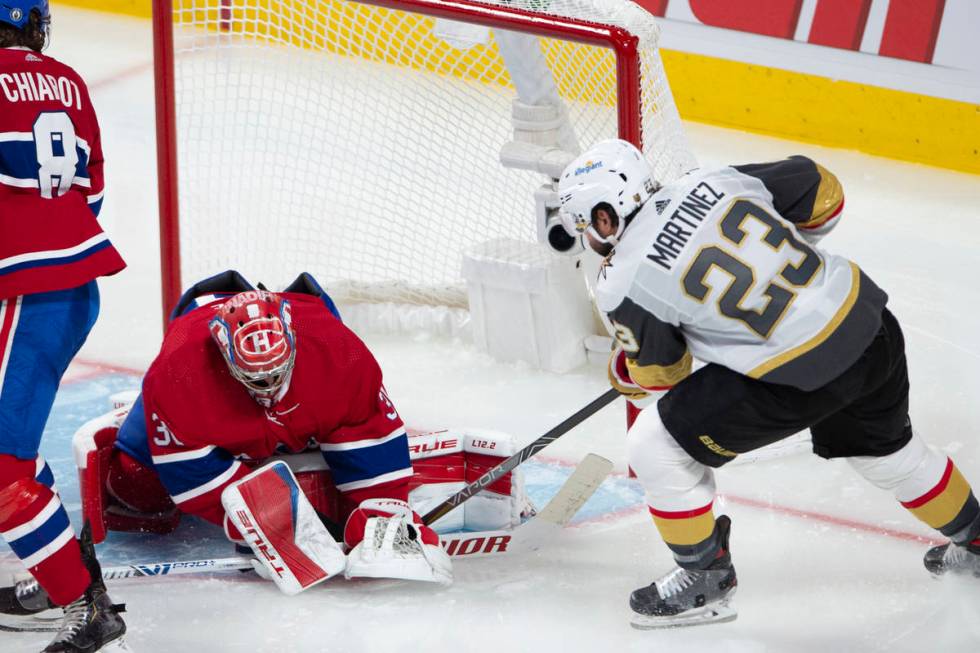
31 623
943 575
116 646
712 614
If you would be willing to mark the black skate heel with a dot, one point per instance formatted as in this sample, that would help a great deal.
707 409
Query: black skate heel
953 559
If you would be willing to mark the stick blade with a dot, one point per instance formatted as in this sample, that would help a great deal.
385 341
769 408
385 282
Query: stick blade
578 489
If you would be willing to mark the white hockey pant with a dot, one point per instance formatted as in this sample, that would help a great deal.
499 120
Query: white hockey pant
672 480
908 473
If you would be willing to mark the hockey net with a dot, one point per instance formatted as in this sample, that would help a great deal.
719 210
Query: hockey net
362 142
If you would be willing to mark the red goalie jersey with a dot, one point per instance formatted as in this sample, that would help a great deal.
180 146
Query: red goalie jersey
201 421
50 175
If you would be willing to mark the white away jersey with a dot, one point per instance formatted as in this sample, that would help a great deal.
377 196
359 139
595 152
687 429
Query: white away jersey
714 266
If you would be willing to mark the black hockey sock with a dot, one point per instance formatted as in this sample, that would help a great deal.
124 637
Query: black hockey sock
964 530
705 553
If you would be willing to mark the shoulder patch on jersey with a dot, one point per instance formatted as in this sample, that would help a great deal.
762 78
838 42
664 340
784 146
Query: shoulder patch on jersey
606 263
612 285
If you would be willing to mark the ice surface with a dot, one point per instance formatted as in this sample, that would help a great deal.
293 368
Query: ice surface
826 562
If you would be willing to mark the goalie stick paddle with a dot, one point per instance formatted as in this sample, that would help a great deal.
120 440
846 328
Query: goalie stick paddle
576 490
571 496
509 464
544 525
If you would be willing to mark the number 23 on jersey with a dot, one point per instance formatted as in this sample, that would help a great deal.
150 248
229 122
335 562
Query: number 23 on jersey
728 257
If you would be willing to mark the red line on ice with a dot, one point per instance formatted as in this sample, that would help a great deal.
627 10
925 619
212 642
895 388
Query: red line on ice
109 367
798 513
833 520
122 75
82 370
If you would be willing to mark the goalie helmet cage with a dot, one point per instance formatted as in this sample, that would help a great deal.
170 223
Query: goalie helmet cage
361 141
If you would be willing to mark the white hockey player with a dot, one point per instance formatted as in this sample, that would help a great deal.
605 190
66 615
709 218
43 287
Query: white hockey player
721 265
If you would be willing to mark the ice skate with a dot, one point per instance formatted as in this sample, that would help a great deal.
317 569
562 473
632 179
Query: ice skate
92 623
689 597
953 559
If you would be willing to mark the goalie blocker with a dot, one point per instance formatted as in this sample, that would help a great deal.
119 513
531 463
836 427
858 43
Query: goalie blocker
121 494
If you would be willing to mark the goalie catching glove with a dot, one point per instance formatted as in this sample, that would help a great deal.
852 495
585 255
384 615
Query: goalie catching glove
388 540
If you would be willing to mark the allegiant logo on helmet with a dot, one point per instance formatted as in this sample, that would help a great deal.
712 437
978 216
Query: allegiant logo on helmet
588 167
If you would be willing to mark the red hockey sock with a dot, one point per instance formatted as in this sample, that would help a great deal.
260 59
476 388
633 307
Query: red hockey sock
36 526
63 574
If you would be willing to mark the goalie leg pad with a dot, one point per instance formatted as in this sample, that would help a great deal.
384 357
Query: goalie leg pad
503 504
439 468
281 527
390 541
445 461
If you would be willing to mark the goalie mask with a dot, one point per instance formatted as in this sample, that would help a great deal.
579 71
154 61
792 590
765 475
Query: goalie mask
611 175
255 334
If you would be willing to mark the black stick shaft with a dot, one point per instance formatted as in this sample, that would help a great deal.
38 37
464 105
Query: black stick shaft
508 465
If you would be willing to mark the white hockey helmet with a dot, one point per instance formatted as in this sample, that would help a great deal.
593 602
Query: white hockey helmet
612 172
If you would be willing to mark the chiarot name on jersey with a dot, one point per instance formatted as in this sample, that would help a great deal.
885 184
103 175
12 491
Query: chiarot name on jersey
38 87
691 211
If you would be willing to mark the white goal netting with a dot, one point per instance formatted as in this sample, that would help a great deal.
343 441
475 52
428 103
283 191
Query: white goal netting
354 142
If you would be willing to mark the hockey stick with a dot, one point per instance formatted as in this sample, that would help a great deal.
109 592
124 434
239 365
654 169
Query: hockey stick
531 535
509 464
38 624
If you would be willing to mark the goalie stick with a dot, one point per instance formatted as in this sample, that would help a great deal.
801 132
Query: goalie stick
509 464
577 489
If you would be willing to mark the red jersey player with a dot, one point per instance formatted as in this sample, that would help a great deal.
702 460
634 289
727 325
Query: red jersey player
51 251
244 374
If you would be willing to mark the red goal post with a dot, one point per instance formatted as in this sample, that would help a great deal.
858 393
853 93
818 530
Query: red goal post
202 75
